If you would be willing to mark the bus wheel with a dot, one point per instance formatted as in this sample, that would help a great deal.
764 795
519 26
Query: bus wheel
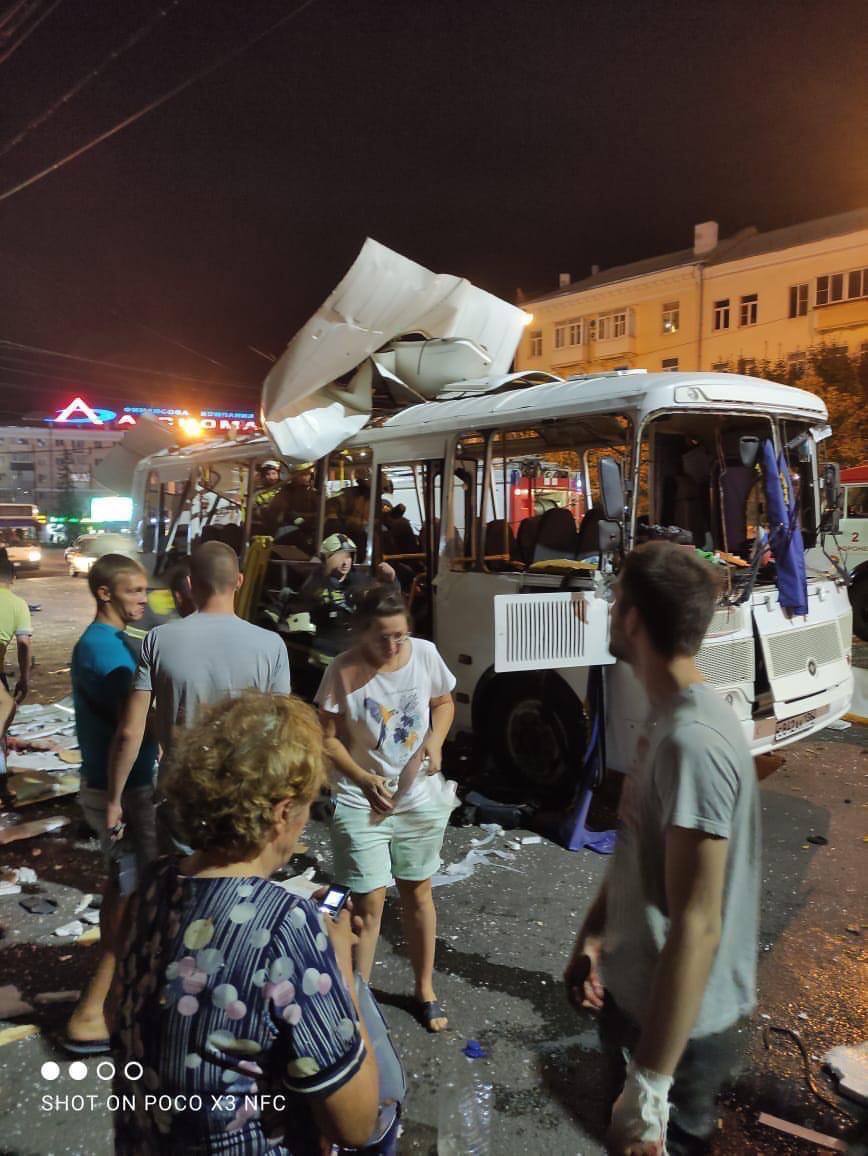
859 601
534 728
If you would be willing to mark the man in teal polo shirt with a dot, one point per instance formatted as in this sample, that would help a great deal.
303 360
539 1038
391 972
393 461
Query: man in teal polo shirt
102 673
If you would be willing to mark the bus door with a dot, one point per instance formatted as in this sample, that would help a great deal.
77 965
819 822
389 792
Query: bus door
407 532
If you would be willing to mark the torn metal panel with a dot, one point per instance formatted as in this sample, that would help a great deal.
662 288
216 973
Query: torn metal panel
307 411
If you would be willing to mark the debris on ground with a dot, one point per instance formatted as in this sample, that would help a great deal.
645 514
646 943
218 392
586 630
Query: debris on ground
11 1003
18 1032
13 834
818 840
849 1063
75 928
49 997
822 1141
38 905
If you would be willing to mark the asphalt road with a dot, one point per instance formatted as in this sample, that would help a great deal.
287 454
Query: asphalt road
504 934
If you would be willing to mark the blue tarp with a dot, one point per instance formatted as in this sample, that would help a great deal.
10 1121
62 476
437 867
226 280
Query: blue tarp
785 533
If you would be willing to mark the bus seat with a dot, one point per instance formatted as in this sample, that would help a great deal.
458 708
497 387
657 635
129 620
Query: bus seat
587 539
525 538
499 540
556 537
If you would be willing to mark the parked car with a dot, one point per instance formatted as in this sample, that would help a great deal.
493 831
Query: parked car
84 551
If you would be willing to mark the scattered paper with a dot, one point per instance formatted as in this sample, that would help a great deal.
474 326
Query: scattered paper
83 904
75 928
840 724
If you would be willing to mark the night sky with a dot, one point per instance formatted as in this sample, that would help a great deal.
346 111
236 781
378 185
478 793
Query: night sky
504 141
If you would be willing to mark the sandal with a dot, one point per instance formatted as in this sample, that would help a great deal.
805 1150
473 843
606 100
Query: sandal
427 1012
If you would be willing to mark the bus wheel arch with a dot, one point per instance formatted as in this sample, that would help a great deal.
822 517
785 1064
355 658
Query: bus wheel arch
534 727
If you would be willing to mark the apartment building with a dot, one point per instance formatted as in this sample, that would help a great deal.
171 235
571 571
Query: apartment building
733 301
42 464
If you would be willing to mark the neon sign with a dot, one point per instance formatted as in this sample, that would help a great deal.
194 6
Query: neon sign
86 414
79 412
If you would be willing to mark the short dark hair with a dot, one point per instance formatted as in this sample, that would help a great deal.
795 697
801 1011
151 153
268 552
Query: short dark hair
213 568
674 591
109 568
7 569
379 602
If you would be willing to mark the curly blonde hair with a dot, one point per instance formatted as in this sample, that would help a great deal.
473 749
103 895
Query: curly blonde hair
243 755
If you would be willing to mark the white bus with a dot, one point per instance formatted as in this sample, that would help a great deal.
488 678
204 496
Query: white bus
520 609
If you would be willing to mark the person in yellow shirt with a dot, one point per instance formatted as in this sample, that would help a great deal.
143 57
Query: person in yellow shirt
14 623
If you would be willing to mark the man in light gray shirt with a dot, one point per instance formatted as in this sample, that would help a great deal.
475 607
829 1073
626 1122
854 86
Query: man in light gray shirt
193 662
667 954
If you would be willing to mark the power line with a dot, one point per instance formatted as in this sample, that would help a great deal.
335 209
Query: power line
89 77
39 350
28 32
76 288
154 104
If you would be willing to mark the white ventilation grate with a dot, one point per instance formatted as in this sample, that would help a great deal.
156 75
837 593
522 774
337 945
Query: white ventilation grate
791 652
548 631
727 663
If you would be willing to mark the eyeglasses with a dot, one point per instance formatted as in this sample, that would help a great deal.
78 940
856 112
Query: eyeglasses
398 639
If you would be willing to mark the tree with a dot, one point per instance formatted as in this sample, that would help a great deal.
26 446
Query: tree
842 382
69 502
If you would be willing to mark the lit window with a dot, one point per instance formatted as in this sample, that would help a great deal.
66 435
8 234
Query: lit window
669 364
535 337
671 318
721 314
798 300
748 309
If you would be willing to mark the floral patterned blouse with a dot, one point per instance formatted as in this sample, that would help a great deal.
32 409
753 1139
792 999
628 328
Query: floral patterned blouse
232 1011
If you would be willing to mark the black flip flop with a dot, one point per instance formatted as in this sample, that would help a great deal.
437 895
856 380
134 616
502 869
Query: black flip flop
426 1013
84 1047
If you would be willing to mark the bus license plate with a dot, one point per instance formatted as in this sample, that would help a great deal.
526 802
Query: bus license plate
788 727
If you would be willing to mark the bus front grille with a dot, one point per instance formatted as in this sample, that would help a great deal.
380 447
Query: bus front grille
727 663
791 652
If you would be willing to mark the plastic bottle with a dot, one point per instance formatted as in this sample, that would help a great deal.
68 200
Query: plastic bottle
464 1105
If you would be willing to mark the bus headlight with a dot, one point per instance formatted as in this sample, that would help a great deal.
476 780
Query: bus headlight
34 556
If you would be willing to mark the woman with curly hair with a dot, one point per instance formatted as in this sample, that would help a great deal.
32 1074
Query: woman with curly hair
386 708
236 1025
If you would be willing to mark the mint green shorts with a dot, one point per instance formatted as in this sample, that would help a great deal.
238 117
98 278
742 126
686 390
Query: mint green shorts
369 851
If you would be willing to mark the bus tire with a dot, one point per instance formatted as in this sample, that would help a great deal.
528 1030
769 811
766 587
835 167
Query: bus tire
534 728
859 602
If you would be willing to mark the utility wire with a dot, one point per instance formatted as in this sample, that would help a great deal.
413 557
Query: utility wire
28 32
76 288
39 350
154 104
89 77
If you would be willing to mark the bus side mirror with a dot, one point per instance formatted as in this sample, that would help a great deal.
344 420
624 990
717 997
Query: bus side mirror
611 490
833 497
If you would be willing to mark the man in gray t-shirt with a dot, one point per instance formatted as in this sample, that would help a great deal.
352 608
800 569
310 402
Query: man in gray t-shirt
196 661
667 954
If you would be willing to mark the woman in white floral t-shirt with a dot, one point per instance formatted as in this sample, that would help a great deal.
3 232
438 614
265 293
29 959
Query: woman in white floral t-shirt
386 708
